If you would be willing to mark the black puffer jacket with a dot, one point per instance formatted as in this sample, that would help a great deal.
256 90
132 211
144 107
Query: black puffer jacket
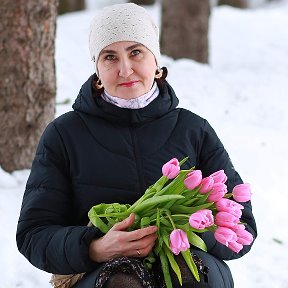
102 153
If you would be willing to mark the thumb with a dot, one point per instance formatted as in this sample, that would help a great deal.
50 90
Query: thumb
126 223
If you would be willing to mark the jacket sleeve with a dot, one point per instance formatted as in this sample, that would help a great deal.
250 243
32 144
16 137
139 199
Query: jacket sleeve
214 157
45 232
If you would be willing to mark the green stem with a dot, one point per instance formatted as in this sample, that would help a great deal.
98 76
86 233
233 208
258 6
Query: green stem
228 195
171 220
140 200
180 215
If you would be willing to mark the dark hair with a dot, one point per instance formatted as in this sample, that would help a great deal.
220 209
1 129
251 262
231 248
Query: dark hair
98 92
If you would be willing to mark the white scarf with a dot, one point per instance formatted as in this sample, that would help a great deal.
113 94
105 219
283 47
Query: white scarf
136 103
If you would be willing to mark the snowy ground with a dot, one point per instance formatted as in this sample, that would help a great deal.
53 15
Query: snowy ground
243 94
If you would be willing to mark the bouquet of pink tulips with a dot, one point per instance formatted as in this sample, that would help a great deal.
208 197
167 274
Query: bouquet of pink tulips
182 204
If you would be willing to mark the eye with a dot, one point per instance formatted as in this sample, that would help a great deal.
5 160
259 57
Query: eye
136 52
110 57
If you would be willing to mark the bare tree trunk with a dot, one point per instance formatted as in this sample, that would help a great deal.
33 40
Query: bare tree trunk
143 2
184 29
70 6
27 78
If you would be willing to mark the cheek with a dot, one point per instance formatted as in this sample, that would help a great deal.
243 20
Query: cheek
149 74
109 84
149 69
106 75
103 70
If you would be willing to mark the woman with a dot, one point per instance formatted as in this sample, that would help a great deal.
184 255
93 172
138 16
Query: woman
124 127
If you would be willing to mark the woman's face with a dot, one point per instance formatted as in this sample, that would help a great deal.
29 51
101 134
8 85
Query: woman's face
126 69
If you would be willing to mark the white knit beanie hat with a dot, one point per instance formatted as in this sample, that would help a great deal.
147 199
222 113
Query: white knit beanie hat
123 22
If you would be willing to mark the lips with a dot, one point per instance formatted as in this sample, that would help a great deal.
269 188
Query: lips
128 84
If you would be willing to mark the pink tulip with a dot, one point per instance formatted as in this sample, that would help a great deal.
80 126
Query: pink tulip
178 241
193 179
243 236
171 169
240 227
218 191
230 206
206 185
219 176
235 246
226 219
242 192
225 235
201 219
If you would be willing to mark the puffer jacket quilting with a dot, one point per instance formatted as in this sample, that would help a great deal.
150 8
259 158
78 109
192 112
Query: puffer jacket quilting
100 153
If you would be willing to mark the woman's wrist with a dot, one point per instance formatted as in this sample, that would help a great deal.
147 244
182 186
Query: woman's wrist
93 250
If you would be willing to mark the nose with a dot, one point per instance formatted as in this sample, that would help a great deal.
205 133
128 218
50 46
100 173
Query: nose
125 68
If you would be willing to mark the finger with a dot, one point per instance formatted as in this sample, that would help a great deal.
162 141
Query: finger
148 241
143 232
140 252
123 246
144 252
125 224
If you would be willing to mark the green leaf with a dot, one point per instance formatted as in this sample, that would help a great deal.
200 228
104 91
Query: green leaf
183 161
97 222
158 246
164 235
197 199
165 222
154 201
111 221
166 239
149 260
189 210
189 196
196 241
201 200
145 222
158 223
193 238
100 208
158 217
159 184
180 219
136 223
191 265
165 269
173 263
176 186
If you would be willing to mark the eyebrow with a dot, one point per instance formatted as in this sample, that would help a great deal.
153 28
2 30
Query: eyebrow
105 51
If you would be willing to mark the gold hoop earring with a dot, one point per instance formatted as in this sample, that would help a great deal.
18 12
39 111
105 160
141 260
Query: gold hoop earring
99 85
159 73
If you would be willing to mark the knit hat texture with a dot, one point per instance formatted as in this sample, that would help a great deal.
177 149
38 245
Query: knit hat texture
123 22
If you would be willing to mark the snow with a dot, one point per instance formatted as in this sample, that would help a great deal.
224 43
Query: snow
242 93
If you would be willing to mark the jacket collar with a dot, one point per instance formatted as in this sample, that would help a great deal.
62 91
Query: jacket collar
86 102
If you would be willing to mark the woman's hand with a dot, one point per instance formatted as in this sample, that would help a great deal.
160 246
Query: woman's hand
118 242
